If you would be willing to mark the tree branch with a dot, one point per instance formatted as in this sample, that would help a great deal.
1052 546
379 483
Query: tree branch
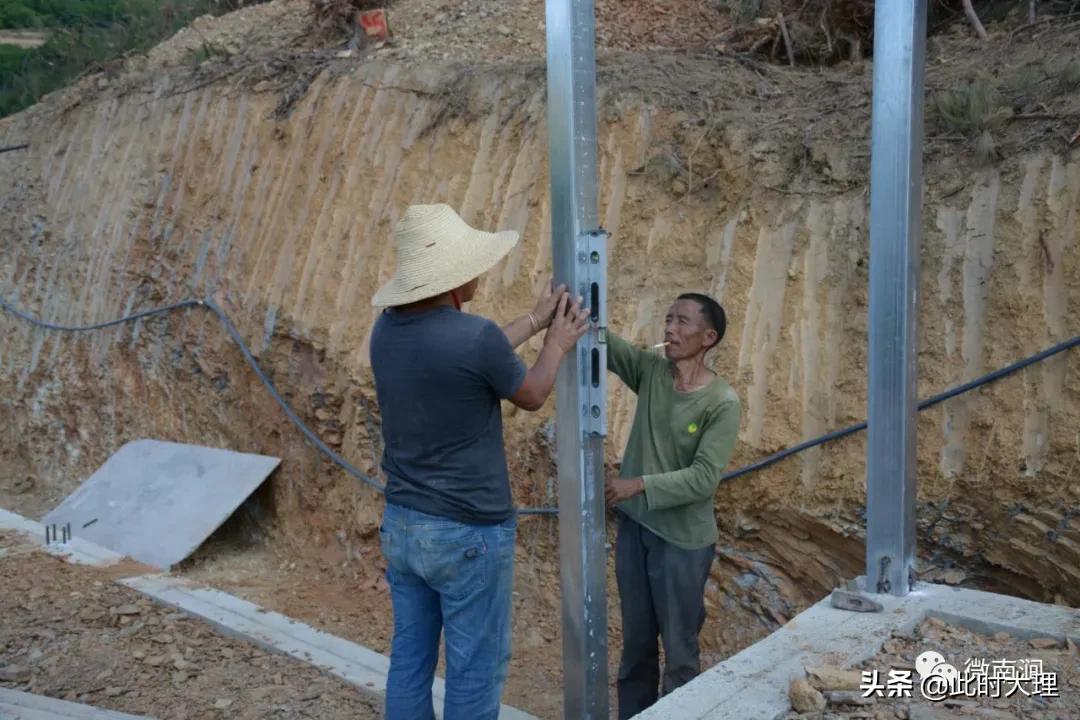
787 39
973 18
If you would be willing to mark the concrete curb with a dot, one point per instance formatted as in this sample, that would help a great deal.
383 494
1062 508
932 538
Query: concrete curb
754 683
243 620
357 665
77 550
16 705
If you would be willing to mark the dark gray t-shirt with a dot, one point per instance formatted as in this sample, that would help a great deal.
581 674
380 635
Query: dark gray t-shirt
439 376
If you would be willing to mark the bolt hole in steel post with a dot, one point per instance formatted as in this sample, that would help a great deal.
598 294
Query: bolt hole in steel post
895 224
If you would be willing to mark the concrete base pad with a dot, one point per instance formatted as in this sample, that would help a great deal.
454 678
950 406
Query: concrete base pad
754 683
15 705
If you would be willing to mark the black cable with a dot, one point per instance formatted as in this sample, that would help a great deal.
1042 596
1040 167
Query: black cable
352 470
308 433
928 403
235 335
99 326
12 148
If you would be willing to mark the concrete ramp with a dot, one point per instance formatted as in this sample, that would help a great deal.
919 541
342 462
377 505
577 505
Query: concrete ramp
15 705
156 501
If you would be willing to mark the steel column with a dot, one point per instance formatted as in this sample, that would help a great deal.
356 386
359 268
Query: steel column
579 259
895 229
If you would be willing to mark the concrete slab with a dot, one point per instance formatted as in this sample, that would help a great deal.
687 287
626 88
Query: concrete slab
76 550
754 682
15 705
353 663
157 501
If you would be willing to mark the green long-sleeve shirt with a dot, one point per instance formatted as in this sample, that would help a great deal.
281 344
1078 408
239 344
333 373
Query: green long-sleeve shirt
680 443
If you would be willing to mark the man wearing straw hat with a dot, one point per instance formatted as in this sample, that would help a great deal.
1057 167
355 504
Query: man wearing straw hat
448 529
684 431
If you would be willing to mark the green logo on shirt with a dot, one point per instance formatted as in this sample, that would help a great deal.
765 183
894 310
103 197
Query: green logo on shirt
692 428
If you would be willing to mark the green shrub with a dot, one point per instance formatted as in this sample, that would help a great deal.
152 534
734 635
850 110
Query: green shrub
86 33
971 107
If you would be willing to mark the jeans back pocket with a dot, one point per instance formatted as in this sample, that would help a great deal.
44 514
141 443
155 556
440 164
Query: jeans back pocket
455 559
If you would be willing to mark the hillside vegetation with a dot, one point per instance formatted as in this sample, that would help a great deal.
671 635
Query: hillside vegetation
85 35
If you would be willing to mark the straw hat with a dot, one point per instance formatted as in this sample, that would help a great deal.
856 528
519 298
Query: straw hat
437 251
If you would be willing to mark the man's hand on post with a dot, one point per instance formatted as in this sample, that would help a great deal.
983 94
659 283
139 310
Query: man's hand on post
571 321
569 324
544 310
618 489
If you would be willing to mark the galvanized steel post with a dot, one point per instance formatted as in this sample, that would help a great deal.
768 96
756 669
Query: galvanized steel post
580 260
895 229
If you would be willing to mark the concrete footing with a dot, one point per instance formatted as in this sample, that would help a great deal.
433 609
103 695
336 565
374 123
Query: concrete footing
15 705
754 683
751 684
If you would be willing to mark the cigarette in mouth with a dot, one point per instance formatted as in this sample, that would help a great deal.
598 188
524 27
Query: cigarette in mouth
660 345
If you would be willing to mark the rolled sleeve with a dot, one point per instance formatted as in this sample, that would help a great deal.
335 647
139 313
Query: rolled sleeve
498 363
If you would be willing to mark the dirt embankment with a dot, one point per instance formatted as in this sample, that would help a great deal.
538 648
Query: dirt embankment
270 173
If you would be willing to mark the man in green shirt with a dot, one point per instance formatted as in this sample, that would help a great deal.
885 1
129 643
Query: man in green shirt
684 431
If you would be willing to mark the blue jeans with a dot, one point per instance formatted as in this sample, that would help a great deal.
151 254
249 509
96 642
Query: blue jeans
447 577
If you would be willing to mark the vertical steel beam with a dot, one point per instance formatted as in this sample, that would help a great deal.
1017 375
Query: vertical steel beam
579 259
895 229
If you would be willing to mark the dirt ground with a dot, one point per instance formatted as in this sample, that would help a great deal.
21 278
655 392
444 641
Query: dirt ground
486 31
350 599
958 645
461 31
70 632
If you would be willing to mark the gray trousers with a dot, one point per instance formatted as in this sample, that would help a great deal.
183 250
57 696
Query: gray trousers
661 592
